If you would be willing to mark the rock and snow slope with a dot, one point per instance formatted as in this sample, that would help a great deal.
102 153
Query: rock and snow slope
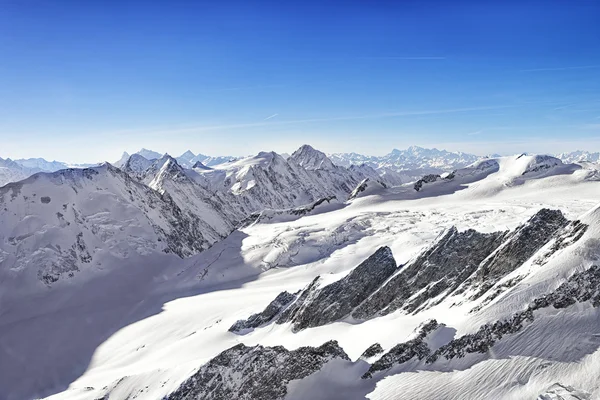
165 330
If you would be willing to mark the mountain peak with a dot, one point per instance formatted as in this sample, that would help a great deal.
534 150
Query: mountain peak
149 154
199 165
310 158
188 156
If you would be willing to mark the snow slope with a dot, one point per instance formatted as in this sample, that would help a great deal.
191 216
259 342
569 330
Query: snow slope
166 317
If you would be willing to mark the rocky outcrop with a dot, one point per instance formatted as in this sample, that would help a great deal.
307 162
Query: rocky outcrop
416 348
439 269
520 246
338 299
563 238
426 179
372 351
255 373
580 287
365 187
267 315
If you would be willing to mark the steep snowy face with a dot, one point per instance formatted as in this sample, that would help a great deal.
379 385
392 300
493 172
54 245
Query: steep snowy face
136 165
311 159
187 158
55 226
122 161
366 187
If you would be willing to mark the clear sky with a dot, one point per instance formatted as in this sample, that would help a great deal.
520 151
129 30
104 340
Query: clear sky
85 80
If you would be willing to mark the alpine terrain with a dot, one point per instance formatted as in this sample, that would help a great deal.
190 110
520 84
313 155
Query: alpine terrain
422 274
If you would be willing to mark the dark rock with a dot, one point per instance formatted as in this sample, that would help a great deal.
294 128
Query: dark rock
441 268
415 348
338 299
426 179
266 316
520 245
580 287
372 351
255 373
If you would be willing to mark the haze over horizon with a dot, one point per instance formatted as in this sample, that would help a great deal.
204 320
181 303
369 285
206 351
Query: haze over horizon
83 82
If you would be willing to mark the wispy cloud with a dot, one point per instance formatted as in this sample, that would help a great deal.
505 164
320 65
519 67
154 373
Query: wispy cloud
405 58
270 117
208 128
560 68
475 133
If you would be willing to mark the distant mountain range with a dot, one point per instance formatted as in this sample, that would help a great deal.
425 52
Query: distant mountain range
398 166
186 160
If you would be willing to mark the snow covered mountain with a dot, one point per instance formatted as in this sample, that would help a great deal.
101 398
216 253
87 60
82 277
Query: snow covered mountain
480 282
16 170
41 164
251 185
410 163
11 171
578 156
189 159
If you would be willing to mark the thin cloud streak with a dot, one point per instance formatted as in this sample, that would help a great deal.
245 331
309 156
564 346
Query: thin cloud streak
560 68
205 128
404 58
270 117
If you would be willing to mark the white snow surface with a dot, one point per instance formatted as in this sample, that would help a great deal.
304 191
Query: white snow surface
138 322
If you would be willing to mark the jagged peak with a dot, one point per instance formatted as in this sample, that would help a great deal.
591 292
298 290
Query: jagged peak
310 158
188 155
199 165
149 154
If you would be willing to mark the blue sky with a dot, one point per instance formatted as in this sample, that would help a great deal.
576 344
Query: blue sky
84 80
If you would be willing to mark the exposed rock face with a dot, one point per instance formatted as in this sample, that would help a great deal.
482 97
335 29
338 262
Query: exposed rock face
255 373
199 165
426 179
338 299
365 187
403 352
580 287
564 238
372 351
266 316
441 268
519 246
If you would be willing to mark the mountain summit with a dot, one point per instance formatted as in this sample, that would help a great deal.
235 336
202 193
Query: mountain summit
308 157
